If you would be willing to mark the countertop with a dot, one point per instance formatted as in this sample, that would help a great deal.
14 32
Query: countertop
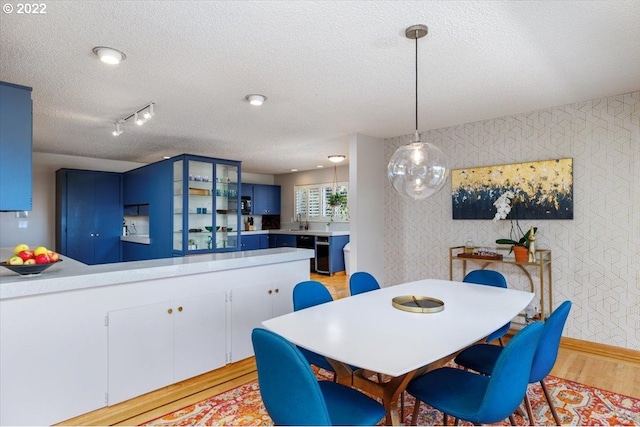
136 238
72 275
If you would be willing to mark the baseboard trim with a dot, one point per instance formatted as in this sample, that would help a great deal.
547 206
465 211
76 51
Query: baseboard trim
610 351
619 353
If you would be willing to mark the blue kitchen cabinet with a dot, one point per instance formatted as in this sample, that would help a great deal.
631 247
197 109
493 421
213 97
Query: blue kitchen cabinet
192 204
283 241
265 200
89 215
149 189
329 257
254 242
16 131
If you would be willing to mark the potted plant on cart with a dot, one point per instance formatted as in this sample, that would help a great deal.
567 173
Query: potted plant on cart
520 247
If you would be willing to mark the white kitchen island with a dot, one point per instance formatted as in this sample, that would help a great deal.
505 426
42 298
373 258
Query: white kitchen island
77 337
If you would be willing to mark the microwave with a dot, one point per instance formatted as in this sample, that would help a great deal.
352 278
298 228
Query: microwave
245 205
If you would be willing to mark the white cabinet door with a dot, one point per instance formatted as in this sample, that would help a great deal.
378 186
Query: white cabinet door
200 335
252 305
249 307
282 298
140 350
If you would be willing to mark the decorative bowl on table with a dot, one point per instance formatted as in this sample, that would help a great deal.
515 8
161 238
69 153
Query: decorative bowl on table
229 228
209 228
29 269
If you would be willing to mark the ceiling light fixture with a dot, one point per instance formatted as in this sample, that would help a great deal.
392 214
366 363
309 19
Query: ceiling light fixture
417 170
147 113
256 99
109 55
336 158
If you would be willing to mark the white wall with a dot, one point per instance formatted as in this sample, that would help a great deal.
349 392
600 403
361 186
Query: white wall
366 198
596 256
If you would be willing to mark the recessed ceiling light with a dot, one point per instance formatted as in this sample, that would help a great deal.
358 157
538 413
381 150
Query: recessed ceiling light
336 158
166 157
256 99
109 55
294 170
319 166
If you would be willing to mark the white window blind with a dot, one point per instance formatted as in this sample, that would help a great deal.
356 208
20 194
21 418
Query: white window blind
312 202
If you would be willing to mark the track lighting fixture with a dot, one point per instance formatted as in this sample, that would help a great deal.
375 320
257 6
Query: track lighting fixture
139 117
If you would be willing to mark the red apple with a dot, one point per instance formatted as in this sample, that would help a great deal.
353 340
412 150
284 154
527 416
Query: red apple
30 261
15 260
26 254
43 259
53 256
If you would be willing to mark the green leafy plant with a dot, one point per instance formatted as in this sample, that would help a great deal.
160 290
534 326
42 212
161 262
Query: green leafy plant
336 199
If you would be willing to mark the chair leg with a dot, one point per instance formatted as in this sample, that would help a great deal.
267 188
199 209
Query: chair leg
527 405
512 420
556 418
416 409
445 419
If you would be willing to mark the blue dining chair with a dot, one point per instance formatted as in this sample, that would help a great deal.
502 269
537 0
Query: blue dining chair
490 278
307 294
361 282
292 394
482 357
479 398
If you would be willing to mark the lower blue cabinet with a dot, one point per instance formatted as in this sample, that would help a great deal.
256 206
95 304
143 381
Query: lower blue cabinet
254 242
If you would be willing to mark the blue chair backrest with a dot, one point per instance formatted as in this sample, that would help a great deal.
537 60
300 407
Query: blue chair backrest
486 277
289 389
362 282
489 278
310 293
547 351
510 376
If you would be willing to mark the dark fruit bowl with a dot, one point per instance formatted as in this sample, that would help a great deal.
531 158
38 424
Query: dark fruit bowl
30 269
209 228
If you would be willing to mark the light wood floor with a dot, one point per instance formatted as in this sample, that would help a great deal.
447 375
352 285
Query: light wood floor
600 366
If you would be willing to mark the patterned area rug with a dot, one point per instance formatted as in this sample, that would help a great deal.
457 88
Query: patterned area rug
577 404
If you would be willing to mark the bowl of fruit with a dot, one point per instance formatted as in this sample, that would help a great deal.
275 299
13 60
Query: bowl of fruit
28 262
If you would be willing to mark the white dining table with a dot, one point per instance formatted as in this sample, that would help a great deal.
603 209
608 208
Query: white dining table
367 331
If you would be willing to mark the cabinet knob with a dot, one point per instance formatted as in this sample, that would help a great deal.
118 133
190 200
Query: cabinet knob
97 234
179 308
277 290
270 292
170 311
91 234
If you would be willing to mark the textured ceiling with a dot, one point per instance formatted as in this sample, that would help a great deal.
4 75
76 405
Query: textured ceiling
328 69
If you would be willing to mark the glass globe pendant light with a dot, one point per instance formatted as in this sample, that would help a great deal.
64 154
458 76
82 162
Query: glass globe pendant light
417 170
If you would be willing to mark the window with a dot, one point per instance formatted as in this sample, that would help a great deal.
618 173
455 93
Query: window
312 202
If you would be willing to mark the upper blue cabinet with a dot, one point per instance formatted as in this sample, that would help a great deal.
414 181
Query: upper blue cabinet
16 118
266 199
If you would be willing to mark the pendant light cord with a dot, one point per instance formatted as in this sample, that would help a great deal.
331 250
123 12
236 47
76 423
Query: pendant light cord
416 83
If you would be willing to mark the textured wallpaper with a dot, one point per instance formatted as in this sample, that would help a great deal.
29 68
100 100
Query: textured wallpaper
596 256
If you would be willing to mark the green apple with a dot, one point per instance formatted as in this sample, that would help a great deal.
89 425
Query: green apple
15 260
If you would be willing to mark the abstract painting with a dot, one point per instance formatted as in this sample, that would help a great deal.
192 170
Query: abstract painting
544 189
